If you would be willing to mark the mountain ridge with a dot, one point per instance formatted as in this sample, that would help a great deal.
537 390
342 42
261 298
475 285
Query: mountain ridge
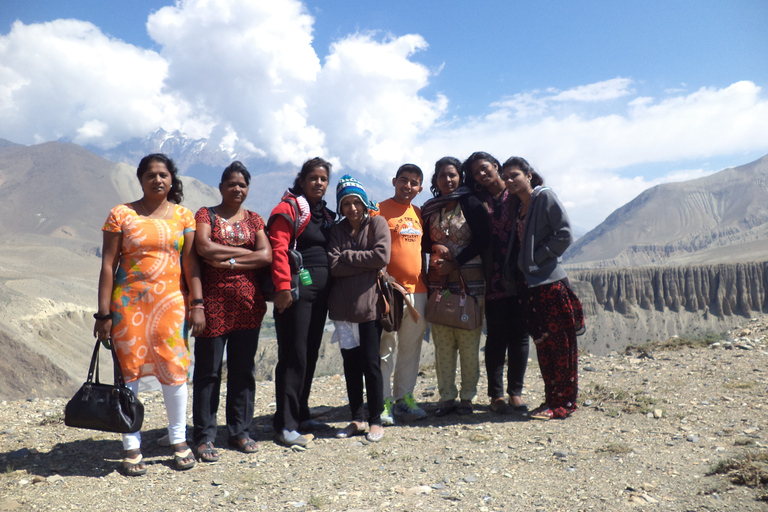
684 223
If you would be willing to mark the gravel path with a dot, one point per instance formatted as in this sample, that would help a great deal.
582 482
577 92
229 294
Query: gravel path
650 429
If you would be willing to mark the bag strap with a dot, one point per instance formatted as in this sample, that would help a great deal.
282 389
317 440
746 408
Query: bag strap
118 372
296 219
381 283
462 283
94 367
401 289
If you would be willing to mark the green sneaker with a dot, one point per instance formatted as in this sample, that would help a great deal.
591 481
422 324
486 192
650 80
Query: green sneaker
386 416
408 406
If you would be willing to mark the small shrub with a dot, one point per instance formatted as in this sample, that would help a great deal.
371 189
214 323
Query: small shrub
53 419
751 470
740 385
699 340
317 501
615 448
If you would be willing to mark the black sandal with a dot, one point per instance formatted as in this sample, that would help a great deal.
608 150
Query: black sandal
133 463
181 453
249 446
206 452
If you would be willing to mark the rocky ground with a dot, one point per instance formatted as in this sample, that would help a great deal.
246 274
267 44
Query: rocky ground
658 429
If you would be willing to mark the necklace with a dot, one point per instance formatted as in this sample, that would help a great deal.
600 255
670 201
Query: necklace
149 215
445 224
234 232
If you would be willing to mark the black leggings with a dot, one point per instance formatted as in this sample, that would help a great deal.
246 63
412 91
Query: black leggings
299 334
507 338
364 362
241 385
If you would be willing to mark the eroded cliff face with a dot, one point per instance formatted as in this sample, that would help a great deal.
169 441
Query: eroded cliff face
635 305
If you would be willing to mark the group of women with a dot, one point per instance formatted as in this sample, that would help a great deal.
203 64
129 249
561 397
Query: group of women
167 273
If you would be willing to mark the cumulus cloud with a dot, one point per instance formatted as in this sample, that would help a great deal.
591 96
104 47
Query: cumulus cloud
248 65
67 79
367 101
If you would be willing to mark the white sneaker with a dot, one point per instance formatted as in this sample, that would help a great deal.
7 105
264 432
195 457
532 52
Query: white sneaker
387 419
408 406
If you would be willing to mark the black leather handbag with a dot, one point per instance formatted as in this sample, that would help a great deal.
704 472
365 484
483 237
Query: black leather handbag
106 407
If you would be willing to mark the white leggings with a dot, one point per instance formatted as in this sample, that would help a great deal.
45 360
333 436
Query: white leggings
175 398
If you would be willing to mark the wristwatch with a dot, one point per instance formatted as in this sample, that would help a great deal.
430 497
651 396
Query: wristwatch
232 263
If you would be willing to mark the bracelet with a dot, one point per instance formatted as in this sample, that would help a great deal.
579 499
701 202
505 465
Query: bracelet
108 316
198 307
197 301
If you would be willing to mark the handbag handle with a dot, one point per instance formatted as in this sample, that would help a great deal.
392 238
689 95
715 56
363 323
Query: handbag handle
462 284
93 369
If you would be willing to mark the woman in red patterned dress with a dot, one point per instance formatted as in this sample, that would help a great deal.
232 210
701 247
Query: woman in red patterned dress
541 235
233 244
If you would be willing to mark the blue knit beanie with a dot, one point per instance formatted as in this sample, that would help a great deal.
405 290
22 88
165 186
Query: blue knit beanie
349 186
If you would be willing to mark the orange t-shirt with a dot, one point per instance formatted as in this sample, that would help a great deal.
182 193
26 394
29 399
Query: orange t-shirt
406 228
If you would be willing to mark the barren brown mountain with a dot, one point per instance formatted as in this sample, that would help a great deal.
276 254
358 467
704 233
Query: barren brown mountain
721 218
54 199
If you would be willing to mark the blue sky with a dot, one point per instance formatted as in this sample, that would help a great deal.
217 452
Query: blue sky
604 98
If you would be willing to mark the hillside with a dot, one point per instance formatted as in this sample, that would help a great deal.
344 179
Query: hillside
54 199
721 218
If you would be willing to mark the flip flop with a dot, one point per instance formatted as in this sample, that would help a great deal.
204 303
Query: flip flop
132 465
249 446
464 408
445 409
543 415
206 452
182 454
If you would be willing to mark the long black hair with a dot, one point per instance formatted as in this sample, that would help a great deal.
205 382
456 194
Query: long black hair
307 168
469 178
518 162
236 167
176 194
445 162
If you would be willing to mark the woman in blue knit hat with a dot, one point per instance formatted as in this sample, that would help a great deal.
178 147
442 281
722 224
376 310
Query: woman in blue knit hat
359 247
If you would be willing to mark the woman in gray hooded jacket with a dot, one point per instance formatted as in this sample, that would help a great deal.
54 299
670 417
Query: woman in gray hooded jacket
541 235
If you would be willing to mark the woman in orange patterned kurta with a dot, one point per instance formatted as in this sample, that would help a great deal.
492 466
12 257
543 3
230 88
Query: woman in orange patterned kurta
149 271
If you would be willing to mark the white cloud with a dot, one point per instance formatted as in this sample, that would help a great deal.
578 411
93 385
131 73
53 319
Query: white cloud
536 103
367 101
600 91
583 155
67 79
248 65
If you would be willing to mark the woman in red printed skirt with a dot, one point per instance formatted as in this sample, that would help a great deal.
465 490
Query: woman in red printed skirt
541 235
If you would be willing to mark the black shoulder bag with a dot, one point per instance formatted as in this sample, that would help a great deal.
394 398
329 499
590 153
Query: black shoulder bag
107 407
